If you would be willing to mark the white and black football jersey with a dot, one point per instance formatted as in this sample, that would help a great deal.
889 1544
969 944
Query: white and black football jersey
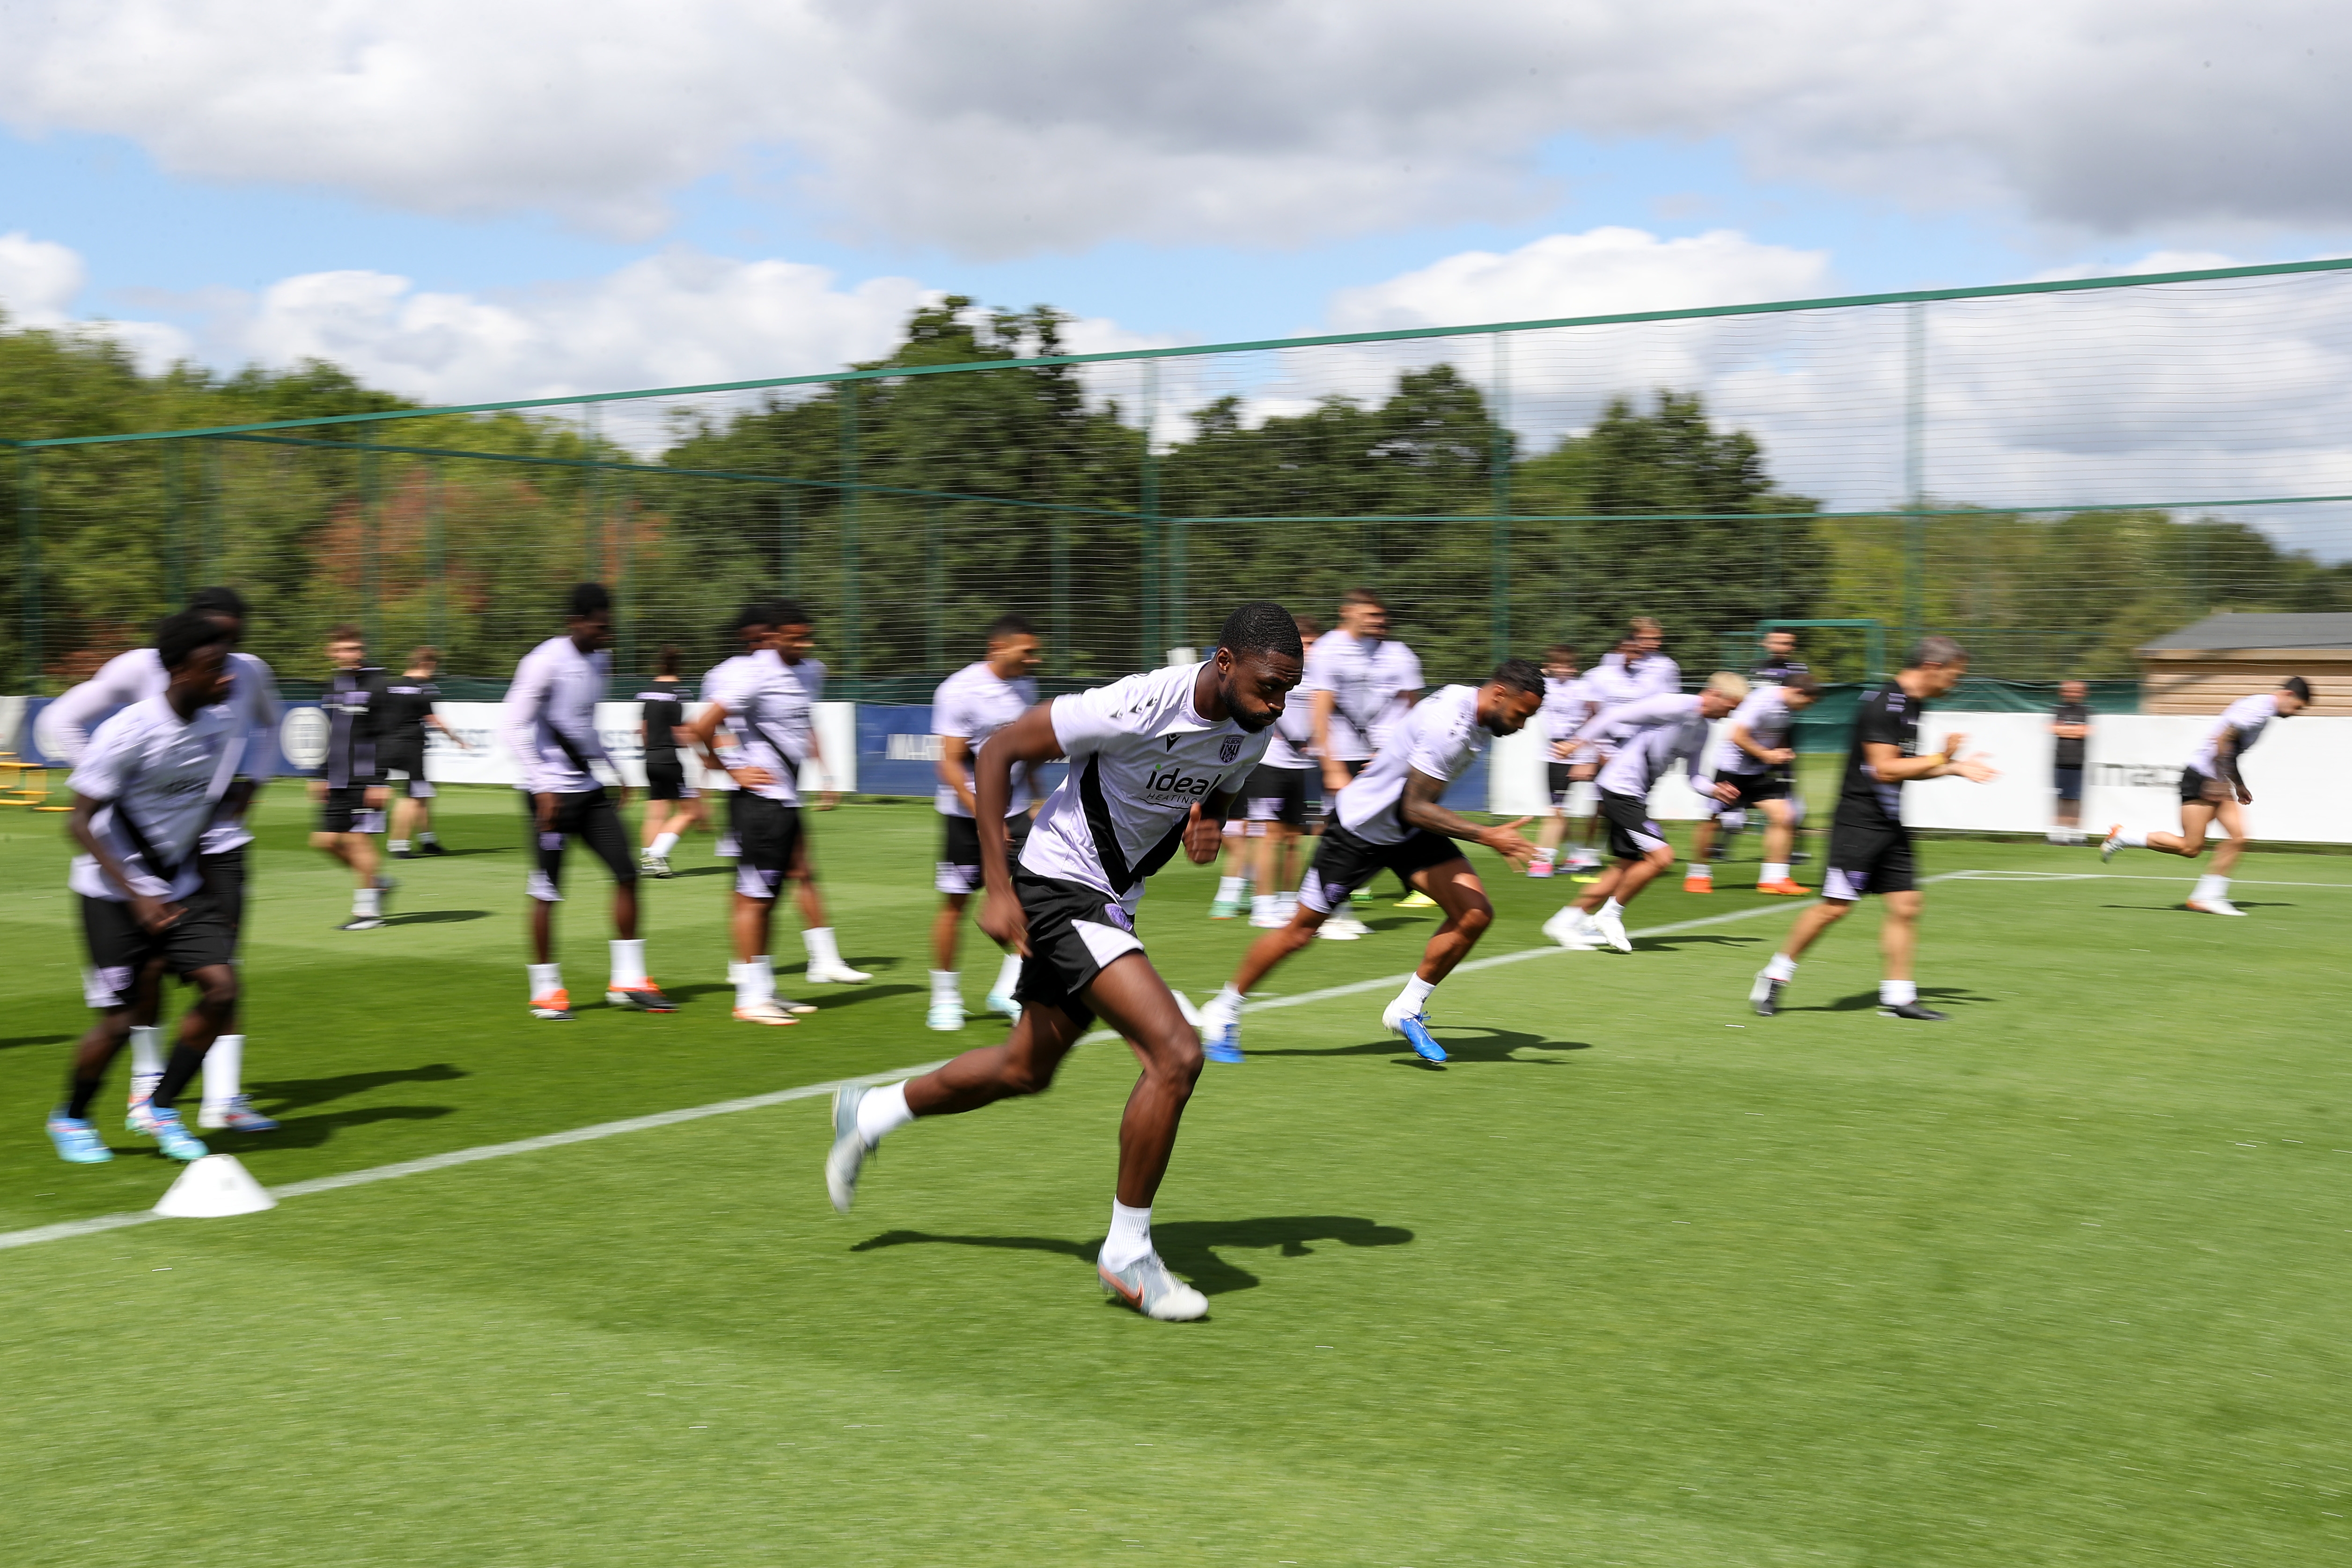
1440 737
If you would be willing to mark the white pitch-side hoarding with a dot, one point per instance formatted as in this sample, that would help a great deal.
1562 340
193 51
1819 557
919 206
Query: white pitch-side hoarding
487 760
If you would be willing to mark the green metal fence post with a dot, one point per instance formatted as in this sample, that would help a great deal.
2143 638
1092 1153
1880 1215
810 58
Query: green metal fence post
934 592
1059 525
213 547
371 543
29 566
176 574
1498 461
591 502
436 593
849 605
1148 527
788 528
1914 469
1180 598
628 576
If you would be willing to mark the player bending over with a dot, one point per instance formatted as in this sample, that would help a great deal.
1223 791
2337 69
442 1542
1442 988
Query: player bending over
2213 787
1643 739
1154 761
1754 760
1391 816
147 786
1870 849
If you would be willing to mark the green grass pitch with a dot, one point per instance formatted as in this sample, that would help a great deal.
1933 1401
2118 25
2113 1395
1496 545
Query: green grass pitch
1640 1279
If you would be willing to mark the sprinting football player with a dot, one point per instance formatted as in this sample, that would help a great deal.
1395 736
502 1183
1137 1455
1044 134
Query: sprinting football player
1754 760
1359 681
1393 816
673 806
350 789
1643 740
550 720
1154 760
408 702
2213 789
970 706
1870 849
145 790
1568 705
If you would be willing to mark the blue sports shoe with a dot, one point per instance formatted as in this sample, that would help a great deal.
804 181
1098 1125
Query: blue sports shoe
77 1141
1221 1032
1414 1028
171 1135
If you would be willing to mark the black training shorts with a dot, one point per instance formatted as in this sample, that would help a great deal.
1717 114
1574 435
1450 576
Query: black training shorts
588 815
1075 933
959 864
668 783
410 767
1754 789
346 810
1344 862
1868 857
1279 794
1632 834
2069 782
767 842
2204 787
223 894
120 947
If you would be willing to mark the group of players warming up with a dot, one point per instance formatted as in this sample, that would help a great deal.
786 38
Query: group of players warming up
1150 765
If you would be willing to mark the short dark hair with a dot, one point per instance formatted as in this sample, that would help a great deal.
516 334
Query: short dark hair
754 613
425 654
788 613
179 639
2298 685
1560 652
587 599
1935 650
1309 627
343 631
219 601
1804 680
1519 675
1012 623
1261 626
666 663
1363 597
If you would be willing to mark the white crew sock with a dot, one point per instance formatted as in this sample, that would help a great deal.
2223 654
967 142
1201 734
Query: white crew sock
1772 871
1229 888
947 987
1008 975
544 978
1613 911
1702 871
1415 995
663 843
2210 885
1225 1005
628 965
367 901
2132 838
1898 992
821 952
224 1067
400 846
882 1112
146 1051
1547 856
1782 968
1262 904
428 836
748 991
1129 1241
762 972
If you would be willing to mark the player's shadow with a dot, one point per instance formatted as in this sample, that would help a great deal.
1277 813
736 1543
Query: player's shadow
824 998
310 1132
1466 1043
280 1095
435 917
1864 1002
703 871
13 1041
1693 938
2182 909
1190 1248
454 854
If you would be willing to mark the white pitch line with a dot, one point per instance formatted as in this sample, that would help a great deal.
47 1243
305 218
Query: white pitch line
2124 876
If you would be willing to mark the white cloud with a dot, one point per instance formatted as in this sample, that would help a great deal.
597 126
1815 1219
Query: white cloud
39 279
1000 130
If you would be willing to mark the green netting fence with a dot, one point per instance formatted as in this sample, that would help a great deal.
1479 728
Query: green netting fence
2056 472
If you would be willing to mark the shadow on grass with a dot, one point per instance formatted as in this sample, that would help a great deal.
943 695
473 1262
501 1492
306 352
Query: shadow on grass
823 999
435 917
1463 1043
700 871
16 1040
454 854
1694 938
1188 1247
312 1132
2182 908
1940 995
283 1095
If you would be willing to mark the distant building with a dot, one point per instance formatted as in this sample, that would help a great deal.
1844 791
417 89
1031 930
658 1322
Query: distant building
2201 668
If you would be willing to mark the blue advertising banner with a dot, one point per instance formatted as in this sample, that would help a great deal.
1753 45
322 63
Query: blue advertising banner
898 753
301 742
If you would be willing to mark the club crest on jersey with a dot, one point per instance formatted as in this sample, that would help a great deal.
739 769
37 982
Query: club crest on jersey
1231 748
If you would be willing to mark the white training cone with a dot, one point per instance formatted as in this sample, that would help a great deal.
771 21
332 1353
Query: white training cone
215 1187
1184 1005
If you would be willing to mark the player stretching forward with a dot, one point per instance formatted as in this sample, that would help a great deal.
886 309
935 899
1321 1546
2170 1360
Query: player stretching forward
135 676
1154 759
407 710
1870 849
1643 739
970 706
1390 817
2212 786
146 788
1568 705
1754 760
672 805
550 720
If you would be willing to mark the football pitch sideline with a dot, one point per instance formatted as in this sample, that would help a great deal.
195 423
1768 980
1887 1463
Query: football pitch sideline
1638 1277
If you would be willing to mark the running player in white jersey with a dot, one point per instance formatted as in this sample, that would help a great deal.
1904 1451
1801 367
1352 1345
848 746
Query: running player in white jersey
1568 706
1278 814
673 806
148 784
1870 849
1154 759
795 633
136 677
2214 788
1643 741
1360 682
550 720
1753 757
1391 816
970 706
1636 669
